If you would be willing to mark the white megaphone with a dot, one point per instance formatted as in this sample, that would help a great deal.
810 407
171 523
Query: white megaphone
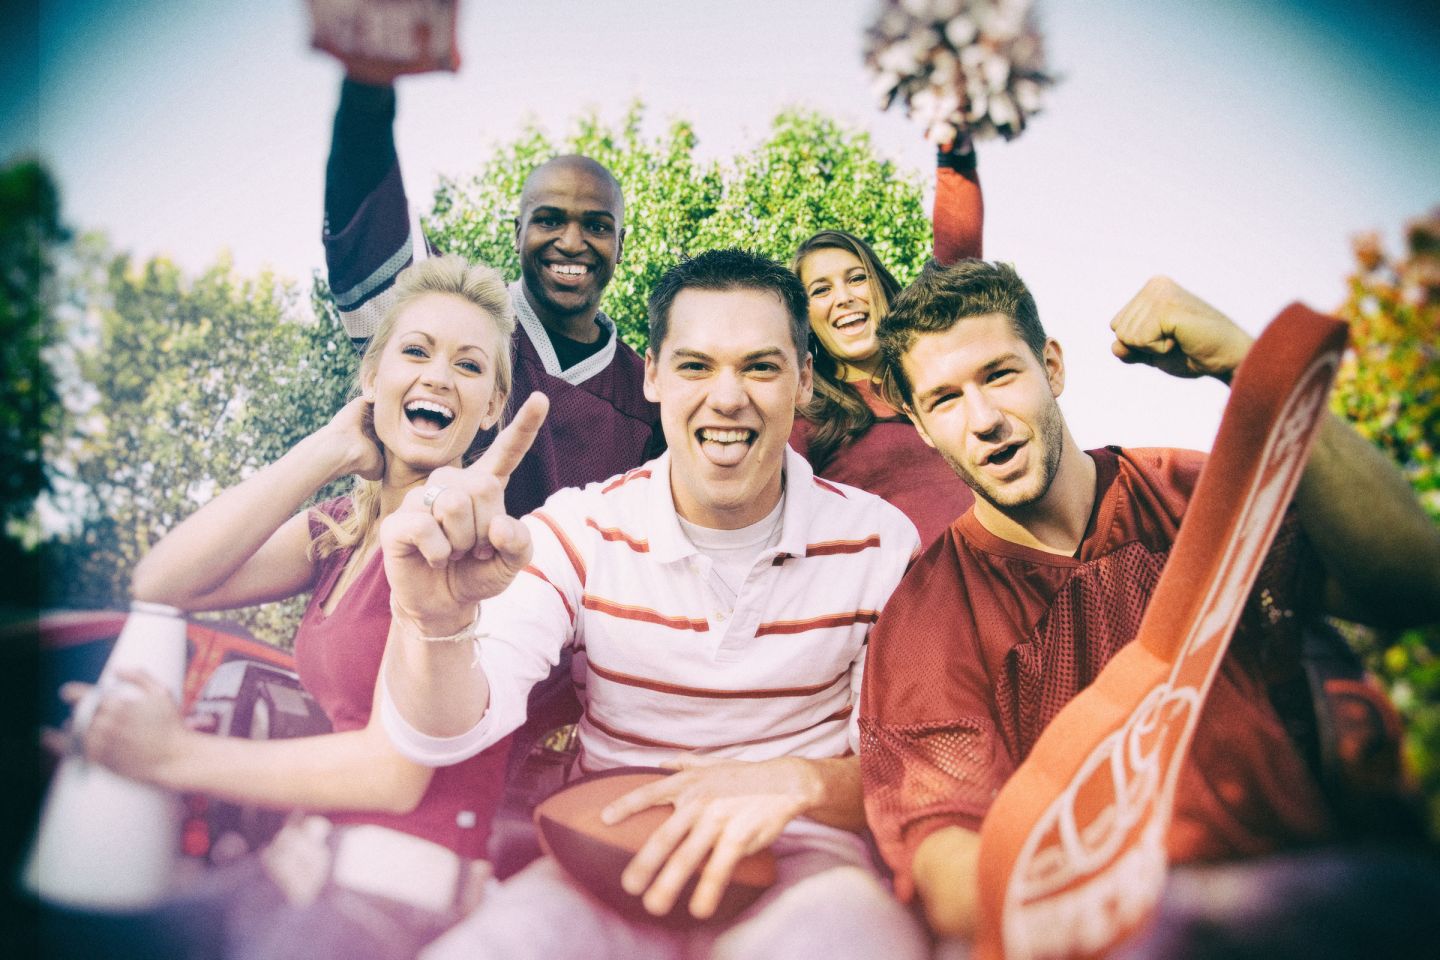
106 843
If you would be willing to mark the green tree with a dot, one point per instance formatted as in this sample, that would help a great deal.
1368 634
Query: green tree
1389 388
193 385
808 175
30 234
190 385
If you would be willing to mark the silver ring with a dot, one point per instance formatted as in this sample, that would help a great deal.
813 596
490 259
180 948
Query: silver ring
431 495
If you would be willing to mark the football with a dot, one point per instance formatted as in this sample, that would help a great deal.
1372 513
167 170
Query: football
595 854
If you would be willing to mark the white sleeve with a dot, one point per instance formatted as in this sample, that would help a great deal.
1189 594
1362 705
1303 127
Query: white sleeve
522 632
901 548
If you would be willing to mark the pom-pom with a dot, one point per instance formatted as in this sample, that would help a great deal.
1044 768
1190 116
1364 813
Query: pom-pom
963 68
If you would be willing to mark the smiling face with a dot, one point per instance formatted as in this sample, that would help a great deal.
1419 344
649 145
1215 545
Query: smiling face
842 314
988 405
433 384
569 235
728 379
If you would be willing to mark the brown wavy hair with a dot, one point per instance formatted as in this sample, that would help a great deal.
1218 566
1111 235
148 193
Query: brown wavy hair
941 297
839 413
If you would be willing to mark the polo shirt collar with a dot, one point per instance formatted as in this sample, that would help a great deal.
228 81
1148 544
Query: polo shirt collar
799 505
668 542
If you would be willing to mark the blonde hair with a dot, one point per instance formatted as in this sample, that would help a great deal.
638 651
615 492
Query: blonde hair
451 274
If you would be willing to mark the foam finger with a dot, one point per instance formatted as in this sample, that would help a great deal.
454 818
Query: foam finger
143 680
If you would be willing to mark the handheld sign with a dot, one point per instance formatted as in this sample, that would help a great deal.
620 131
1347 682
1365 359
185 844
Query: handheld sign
387 37
1072 854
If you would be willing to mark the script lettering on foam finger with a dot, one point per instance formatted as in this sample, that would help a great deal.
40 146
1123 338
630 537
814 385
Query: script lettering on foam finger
1087 916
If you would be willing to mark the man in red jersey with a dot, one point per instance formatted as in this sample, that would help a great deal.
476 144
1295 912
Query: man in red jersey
1028 595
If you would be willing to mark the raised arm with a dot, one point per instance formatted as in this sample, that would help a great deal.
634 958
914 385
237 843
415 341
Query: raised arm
367 217
959 214
1381 552
249 545
448 547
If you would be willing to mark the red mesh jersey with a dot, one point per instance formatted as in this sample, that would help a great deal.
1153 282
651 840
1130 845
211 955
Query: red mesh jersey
985 640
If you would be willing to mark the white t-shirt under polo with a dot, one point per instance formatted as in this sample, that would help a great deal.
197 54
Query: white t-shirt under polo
733 553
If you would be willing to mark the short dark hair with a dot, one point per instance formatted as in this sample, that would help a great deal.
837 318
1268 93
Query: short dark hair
943 296
730 269
587 165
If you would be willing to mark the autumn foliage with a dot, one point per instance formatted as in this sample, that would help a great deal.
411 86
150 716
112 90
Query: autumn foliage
1389 388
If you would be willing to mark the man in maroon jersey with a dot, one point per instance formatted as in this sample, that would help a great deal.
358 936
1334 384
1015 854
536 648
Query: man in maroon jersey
1028 595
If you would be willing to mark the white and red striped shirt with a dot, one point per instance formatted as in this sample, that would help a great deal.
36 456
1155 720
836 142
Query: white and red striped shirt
660 669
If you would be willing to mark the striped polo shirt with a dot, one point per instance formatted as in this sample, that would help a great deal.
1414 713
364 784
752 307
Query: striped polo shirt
662 669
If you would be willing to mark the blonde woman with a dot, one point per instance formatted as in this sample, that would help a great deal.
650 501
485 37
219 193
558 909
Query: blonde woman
400 848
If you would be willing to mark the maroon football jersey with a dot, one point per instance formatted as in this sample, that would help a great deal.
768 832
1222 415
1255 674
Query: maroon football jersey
985 641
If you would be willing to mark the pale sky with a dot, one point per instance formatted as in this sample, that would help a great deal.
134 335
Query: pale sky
1232 144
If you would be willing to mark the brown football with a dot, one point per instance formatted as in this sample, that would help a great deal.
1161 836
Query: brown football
596 854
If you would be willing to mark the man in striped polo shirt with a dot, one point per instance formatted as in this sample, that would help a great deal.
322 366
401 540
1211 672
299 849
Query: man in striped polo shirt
718 600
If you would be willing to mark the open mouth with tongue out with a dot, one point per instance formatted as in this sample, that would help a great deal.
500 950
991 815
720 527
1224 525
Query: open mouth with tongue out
428 417
725 447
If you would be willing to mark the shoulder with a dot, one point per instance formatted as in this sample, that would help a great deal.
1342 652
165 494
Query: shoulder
838 512
930 587
626 357
939 566
1168 468
620 496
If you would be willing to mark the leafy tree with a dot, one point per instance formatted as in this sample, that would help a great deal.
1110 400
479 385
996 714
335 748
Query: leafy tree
193 385
808 175
30 233
186 386
811 174
1389 388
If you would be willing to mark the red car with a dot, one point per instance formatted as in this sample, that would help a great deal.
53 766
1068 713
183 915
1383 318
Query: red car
234 686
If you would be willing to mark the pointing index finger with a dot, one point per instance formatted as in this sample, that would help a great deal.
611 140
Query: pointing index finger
510 447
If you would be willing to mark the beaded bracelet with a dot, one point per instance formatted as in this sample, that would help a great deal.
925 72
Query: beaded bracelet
468 632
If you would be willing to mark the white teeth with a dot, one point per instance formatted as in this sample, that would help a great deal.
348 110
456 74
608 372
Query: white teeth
725 436
849 319
570 269
430 405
